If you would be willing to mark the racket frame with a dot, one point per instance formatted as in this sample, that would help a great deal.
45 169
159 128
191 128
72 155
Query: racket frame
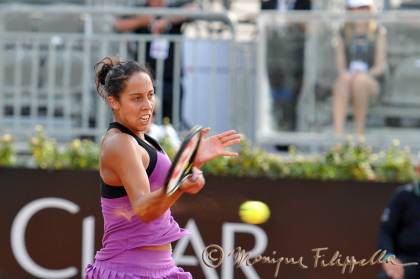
186 171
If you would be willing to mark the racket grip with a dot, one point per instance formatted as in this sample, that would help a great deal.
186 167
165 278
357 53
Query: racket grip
194 176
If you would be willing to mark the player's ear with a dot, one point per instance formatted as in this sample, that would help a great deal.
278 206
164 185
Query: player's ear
113 103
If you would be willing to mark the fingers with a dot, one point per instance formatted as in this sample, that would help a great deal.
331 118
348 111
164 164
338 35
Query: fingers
230 154
205 131
226 133
229 138
225 136
231 141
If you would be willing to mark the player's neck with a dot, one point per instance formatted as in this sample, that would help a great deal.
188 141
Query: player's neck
140 134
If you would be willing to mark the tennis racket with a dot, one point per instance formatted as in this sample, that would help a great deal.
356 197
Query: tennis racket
184 159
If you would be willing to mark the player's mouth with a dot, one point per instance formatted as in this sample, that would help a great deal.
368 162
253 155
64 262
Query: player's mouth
145 118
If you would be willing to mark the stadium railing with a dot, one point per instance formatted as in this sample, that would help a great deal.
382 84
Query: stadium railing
225 80
46 76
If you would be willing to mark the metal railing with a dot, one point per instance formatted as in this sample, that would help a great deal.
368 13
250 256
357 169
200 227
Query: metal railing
46 77
108 10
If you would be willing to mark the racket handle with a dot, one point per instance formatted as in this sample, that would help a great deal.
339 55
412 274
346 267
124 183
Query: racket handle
194 176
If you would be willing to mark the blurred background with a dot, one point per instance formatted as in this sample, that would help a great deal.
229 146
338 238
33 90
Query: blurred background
321 90
264 69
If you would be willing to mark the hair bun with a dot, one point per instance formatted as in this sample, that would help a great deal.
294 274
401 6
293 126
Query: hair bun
102 73
103 67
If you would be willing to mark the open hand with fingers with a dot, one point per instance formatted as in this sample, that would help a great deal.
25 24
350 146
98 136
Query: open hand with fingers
216 146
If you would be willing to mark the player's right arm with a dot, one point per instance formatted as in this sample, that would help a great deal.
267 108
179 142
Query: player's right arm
122 156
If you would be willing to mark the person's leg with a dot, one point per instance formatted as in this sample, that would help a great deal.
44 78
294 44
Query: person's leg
299 58
298 81
341 94
184 125
167 99
363 86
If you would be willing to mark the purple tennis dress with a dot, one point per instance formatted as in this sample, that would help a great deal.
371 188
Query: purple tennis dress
121 256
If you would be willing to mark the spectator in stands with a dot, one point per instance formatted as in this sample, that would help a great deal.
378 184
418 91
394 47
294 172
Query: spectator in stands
158 48
399 233
361 62
285 58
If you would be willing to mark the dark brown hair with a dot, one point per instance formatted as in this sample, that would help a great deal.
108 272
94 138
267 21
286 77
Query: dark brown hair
112 75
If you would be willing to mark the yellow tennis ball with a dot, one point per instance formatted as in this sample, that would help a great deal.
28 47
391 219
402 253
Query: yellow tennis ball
254 212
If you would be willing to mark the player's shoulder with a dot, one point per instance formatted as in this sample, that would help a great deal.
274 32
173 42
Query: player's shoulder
118 143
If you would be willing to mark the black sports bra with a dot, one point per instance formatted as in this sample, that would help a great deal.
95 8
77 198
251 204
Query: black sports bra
112 192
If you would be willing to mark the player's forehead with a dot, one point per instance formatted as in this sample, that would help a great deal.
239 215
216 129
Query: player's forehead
139 83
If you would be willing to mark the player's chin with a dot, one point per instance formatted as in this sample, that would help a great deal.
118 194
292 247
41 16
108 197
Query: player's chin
143 126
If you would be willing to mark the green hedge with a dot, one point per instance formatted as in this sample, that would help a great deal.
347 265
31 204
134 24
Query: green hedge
7 153
348 161
78 154
341 162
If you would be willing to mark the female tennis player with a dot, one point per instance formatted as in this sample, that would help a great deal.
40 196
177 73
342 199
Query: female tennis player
138 225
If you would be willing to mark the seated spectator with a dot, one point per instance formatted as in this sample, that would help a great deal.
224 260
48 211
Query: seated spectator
361 62
399 233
